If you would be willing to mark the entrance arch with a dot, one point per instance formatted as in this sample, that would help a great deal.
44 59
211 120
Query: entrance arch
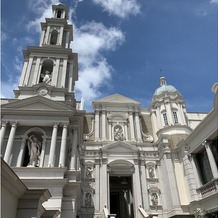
121 188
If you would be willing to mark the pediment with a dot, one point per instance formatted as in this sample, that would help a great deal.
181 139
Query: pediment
120 147
36 103
116 98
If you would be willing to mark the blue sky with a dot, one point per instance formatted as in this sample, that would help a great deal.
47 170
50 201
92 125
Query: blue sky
124 46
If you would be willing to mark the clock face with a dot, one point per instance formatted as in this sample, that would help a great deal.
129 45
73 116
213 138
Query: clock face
42 91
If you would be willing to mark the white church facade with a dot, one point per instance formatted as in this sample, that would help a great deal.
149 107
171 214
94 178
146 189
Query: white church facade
120 161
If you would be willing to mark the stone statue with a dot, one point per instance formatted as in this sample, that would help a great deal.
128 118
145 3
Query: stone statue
151 172
154 199
88 199
46 77
34 146
89 171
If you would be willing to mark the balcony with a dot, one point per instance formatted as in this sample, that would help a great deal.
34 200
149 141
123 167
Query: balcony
209 188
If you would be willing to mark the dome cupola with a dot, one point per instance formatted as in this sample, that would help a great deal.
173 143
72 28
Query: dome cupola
164 87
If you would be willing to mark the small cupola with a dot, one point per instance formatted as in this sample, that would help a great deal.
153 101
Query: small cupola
164 87
60 11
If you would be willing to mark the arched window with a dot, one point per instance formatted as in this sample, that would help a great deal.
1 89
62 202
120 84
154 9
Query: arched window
46 71
54 37
59 12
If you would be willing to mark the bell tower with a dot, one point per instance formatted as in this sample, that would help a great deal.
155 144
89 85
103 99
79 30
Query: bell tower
50 69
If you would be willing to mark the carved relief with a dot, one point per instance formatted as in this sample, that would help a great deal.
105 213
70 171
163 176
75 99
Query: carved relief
154 194
118 133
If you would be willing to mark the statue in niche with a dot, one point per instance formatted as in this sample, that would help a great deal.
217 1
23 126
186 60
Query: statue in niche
151 172
88 199
89 171
34 146
46 78
154 199
118 133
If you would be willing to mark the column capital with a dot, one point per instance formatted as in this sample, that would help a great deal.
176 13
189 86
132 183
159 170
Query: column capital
97 161
14 123
64 124
206 143
4 123
55 124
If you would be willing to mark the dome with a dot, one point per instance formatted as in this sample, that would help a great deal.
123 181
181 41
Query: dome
164 87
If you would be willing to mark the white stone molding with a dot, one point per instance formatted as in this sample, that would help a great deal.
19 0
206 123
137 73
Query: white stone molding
9 146
63 145
51 160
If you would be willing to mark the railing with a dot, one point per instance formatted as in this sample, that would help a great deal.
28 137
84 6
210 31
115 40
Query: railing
209 188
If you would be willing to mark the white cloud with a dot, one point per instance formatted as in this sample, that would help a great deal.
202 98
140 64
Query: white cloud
90 41
213 1
43 9
120 8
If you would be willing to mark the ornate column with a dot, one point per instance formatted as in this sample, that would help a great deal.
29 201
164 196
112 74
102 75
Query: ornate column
144 187
103 184
47 35
63 78
63 146
171 181
74 150
195 171
110 130
97 125
154 121
132 133
10 142
21 152
51 160
159 118
138 129
190 176
27 76
136 187
42 156
211 158
126 131
23 74
103 125
97 185
3 128
169 113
